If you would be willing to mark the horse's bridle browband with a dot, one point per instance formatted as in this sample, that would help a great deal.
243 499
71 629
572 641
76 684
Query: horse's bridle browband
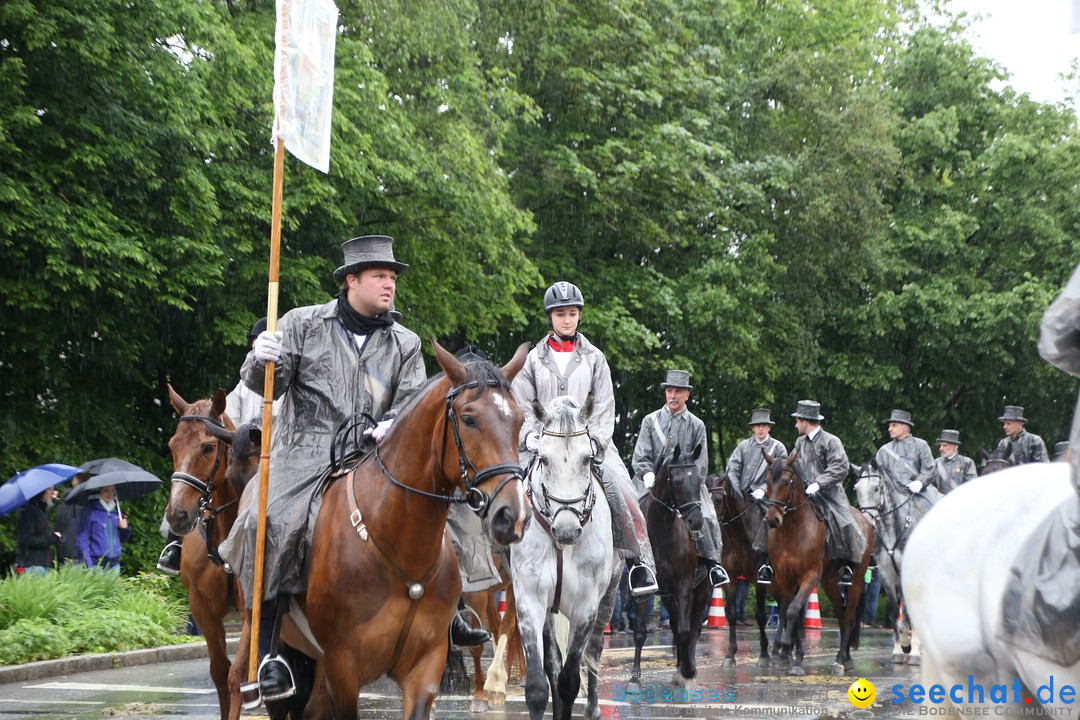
477 500
207 512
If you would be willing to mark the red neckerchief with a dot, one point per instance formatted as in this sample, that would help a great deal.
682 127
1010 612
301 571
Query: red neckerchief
561 345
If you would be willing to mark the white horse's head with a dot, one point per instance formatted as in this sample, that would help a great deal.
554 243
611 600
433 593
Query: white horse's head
868 489
565 491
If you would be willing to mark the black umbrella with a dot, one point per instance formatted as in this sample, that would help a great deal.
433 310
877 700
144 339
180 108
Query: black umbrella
130 480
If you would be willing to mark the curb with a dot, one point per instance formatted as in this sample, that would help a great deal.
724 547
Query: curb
108 661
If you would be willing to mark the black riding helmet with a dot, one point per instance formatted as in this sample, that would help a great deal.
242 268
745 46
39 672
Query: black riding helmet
563 294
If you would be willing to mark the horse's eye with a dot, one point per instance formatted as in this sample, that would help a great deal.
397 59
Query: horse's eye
586 460
209 448
469 421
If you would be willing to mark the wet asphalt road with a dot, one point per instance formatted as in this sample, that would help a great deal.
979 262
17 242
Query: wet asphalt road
183 690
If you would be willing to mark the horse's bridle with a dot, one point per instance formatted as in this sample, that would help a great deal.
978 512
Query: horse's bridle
475 498
682 510
783 504
588 498
207 511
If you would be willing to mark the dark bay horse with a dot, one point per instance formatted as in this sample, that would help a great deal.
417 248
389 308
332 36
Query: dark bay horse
672 510
212 462
1000 459
384 583
740 520
798 555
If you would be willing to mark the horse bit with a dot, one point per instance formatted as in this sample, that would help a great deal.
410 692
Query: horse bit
207 512
588 498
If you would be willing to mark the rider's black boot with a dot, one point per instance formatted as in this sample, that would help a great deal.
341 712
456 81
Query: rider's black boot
275 675
718 575
845 576
169 560
463 635
765 574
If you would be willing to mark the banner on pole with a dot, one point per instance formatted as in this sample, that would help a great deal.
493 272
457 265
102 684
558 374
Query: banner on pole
304 78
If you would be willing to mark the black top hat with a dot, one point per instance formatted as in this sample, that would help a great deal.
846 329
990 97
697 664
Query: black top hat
808 410
368 251
677 379
950 436
761 416
257 328
900 416
1013 412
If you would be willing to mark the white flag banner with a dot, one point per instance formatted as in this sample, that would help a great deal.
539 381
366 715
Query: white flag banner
304 78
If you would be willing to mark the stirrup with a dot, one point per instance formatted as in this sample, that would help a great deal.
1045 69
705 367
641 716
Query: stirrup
269 694
765 574
718 575
845 576
648 587
165 560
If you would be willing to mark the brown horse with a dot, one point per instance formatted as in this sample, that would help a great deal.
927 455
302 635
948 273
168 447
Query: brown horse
798 555
207 482
740 520
384 583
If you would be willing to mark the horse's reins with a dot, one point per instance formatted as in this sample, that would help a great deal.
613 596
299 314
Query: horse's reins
207 512
546 518
683 510
476 499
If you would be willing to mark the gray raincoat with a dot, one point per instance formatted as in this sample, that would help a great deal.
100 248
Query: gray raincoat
661 432
953 472
1026 448
587 372
322 378
903 462
746 470
824 461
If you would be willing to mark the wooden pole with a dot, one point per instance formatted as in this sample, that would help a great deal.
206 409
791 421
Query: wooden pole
268 407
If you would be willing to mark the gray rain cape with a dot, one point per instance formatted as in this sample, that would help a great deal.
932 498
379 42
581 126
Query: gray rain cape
902 462
824 461
323 377
1041 607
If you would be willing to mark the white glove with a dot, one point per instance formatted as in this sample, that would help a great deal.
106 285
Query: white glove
649 479
758 494
812 488
532 441
268 347
378 432
915 486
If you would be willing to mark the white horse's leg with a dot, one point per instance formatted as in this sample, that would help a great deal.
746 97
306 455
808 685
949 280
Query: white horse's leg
495 685
915 657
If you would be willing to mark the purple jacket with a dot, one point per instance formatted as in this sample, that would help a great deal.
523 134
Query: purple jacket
100 535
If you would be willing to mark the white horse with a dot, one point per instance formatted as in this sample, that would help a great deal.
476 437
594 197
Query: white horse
957 569
893 525
565 563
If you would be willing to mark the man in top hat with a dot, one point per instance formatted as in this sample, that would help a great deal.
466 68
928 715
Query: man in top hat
746 470
822 463
331 361
907 463
953 469
1026 447
661 432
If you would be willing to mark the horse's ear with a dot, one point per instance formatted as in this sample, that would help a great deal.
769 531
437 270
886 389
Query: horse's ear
512 368
453 367
179 404
539 412
675 455
873 464
790 462
982 452
769 459
586 409
854 469
1008 451
223 434
218 405
697 452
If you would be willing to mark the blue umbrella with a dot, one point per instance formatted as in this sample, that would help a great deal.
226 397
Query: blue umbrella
25 486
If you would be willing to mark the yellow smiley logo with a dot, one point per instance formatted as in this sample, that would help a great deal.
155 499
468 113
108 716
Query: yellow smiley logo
862 693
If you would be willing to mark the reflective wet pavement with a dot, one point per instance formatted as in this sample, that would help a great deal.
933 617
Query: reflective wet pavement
184 690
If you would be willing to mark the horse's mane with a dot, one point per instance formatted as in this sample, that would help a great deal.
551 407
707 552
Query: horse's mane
478 369
564 414
242 441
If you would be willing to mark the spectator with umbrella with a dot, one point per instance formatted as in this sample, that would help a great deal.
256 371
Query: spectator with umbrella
34 536
103 527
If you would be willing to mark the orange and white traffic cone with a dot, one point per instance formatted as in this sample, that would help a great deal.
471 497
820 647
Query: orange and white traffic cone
812 619
716 610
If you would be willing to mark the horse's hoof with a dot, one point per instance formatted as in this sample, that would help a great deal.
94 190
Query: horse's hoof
497 700
796 670
905 648
898 658
728 662
914 660
678 680
479 706
764 662
849 664
838 670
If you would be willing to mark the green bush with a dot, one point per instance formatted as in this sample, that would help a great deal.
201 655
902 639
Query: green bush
76 611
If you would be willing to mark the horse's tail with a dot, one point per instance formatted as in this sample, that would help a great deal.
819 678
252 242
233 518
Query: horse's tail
455 679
